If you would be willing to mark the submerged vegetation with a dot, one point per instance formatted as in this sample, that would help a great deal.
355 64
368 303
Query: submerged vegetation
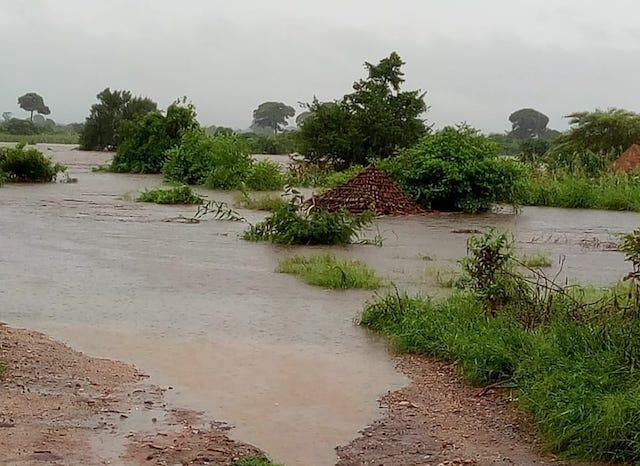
20 164
289 224
571 353
266 202
176 195
455 168
328 271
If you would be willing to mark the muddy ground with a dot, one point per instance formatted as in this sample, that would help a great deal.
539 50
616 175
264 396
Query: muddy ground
60 407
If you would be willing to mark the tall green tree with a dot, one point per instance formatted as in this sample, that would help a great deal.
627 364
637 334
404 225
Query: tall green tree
273 115
528 123
103 127
600 131
32 102
376 120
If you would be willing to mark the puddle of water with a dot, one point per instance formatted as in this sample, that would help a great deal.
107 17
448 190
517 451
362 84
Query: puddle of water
204 312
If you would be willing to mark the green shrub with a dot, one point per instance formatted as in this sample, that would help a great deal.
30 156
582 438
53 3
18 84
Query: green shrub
18 164
265 175
288 225
327 271
455 169
218 162
177 195
148 137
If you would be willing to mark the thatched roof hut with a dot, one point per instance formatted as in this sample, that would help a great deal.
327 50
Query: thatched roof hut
368 190
629 161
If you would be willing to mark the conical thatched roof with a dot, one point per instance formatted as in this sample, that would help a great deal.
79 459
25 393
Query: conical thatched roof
368 190
629 161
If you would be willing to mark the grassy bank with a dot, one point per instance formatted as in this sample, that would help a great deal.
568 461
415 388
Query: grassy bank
45 138
328 271
607 192
572 354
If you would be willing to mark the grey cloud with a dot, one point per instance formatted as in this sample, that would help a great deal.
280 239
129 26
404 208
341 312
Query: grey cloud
478 61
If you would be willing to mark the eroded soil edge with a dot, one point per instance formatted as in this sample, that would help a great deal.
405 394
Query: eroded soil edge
59 406
437 420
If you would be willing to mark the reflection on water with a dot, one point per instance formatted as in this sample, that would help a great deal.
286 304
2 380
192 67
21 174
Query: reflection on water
203 311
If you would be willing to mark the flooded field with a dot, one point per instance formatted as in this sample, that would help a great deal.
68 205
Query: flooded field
202 311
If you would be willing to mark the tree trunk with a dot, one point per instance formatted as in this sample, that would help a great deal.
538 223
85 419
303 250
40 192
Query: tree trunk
31 117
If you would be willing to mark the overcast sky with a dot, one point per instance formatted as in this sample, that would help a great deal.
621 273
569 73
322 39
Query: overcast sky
477 60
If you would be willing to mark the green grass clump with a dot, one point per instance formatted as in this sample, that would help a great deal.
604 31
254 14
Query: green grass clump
328 271
4 367
252 461
537 260
264 202
177 195
607 191
44 138
287 224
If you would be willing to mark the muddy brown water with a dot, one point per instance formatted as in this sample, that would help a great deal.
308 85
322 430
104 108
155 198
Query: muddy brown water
204 312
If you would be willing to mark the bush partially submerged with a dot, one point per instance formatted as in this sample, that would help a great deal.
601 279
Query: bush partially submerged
148 137
263 202
219 162
177 195
288 224
328 271
18 164
455 169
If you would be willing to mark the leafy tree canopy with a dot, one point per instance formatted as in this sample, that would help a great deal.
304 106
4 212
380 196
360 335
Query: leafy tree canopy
103 126
528 123
273 115
148 137
32 102
455 168
302 117
6 116
375 120
609 131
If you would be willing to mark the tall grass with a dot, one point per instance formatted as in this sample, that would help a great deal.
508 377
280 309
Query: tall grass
572 353
328 271
580 380
575 190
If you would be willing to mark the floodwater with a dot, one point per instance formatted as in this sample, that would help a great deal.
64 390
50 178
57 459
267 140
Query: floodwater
202 311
